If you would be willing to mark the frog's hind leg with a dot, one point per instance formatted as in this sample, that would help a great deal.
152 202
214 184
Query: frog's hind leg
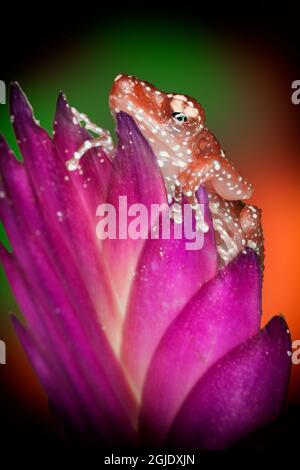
103 139
176 207
191 198
250 220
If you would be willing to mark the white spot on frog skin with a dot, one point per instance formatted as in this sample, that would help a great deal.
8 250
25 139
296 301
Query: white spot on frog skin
163 154
72 165
217 165
88 144
180 97
191 112
177 106
252 244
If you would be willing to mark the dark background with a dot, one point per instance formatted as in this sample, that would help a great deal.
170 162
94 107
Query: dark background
27 34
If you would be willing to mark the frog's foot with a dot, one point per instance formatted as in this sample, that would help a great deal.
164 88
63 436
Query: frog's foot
250 220
103 140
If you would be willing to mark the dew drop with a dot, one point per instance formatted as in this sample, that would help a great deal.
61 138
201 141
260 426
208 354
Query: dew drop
60 215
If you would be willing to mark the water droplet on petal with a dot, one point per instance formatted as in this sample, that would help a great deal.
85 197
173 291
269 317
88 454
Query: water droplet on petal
60 215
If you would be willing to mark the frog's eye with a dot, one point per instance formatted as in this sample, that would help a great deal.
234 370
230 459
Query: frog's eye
179 117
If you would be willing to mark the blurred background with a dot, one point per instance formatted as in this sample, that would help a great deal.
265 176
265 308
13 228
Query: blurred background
238 64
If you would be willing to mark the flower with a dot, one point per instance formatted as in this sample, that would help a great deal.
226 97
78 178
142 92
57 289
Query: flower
135 341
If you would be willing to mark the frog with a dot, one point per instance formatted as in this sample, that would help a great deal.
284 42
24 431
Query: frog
189 156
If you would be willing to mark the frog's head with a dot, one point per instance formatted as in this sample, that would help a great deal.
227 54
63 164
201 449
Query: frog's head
168 121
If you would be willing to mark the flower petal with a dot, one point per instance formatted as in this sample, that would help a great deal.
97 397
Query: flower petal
167 276
95 167
243 391
223 313
65 211
72 351
135 176
82 397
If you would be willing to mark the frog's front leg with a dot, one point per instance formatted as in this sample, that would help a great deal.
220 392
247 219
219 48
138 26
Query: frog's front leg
225 179
103 140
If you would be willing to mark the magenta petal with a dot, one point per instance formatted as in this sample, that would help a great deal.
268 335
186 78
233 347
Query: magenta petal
243 391
59 205
136 172
137 177
49 286
223 313
81 397
45 369
167 276
71 352
95 166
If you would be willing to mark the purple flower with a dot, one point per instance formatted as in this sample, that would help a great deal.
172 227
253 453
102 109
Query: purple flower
135 341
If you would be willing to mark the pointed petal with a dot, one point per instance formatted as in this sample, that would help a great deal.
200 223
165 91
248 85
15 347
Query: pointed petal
65 212
58 277
135 176
223 313
167 276
95 166
243 391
